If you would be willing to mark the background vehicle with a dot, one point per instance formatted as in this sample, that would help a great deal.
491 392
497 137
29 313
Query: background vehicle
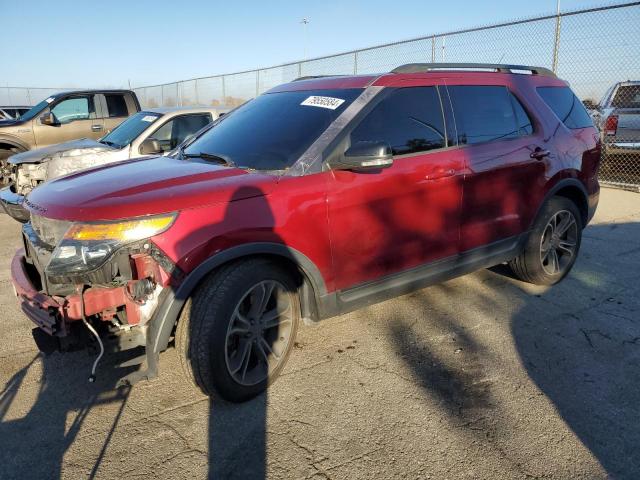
11 113
63 117
319 197
618 118
153 131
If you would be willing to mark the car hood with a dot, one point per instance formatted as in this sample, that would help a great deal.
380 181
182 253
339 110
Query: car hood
66 149
144 186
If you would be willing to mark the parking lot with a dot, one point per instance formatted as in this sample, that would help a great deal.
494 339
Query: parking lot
480 377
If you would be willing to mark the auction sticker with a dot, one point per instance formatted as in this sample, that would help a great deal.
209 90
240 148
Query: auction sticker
323 102
149 118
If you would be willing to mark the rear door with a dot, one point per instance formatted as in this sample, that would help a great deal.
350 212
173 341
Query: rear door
504 184
117 109
383 222
76 117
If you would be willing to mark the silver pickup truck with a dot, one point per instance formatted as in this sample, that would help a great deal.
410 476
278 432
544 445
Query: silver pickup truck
618 118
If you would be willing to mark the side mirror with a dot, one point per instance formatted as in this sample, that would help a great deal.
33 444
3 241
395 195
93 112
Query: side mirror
150 146
366 156
48 119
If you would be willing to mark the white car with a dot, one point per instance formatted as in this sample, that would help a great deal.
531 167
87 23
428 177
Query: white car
155 131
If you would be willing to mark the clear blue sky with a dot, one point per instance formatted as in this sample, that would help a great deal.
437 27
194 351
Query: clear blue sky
77 43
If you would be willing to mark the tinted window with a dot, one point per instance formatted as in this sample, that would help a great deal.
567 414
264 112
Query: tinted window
129 130
272 131
409 120
627 96
116 105
76 108
566 106
176 130
483 113
525 127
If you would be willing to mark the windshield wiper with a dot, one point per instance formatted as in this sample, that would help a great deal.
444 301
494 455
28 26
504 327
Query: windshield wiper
224 160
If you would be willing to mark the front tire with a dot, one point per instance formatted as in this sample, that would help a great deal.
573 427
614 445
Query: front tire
236 332
553 244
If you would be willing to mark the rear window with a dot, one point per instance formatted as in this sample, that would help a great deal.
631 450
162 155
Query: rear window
485 114
566 106
116 105
627 96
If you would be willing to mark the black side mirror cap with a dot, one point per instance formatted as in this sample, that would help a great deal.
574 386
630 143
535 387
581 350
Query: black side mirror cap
150 146
366 156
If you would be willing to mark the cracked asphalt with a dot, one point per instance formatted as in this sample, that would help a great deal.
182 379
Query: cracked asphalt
480 377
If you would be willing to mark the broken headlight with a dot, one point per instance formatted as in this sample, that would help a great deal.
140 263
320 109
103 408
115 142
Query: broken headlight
87 246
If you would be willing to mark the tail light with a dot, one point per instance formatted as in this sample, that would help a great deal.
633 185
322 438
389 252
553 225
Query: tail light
611 125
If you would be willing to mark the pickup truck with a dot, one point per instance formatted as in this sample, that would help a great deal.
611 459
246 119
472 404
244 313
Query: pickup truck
62 117
618 119
153 131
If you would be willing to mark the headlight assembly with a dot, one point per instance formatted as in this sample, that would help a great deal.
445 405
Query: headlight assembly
87 246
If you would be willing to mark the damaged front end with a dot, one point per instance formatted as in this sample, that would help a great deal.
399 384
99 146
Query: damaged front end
83 283
30 169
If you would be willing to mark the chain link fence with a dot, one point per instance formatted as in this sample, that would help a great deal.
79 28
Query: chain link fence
594 49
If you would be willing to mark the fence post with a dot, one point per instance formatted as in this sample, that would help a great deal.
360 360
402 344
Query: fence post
355 62
224 91
299 69
195 87
556 43
179 92
433 49
257 82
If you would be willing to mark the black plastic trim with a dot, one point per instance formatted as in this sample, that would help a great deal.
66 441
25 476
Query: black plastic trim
171 305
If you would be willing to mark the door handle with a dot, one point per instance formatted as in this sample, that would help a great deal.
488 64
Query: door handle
450 172
96 128
539 153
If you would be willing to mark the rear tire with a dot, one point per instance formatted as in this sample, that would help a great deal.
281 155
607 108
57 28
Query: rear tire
236 332
553 244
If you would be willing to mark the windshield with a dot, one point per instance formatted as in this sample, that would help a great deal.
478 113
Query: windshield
128 131
627 96
33 111
272 131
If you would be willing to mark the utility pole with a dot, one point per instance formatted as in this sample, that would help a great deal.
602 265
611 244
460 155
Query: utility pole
305 22
556 43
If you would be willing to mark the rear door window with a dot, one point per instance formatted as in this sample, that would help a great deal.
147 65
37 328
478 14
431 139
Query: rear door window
410 120
523 121
484 113
567 107
116 105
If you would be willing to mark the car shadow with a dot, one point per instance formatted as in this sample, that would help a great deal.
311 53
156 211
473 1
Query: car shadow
578 341
34 445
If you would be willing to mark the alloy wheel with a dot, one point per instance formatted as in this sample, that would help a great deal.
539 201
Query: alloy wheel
259 332
559 242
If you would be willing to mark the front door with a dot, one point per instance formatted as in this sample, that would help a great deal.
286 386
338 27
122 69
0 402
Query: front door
383 222
75 118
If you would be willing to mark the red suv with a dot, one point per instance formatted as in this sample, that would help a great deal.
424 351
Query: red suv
318 197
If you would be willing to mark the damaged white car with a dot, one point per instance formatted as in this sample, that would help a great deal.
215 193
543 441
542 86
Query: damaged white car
149 132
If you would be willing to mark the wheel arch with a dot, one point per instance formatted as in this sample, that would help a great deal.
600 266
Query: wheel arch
7 142
573 190
312 285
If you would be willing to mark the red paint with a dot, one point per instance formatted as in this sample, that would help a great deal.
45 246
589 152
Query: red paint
355 227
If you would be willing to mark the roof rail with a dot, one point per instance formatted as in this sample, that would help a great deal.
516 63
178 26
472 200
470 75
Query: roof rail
311 77
502 68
